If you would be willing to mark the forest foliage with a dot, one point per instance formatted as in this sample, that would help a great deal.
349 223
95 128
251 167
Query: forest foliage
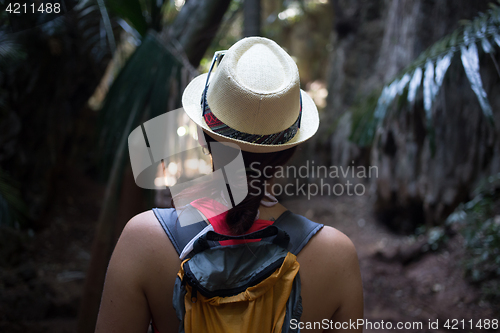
426 74
479 223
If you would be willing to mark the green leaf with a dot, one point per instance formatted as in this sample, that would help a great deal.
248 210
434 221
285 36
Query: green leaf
454 37
131 11
470 62
143 83
462 40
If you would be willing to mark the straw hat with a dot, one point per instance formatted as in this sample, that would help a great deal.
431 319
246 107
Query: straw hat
253 99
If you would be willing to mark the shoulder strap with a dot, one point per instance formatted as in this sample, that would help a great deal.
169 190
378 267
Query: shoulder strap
280 238
179 236
299 228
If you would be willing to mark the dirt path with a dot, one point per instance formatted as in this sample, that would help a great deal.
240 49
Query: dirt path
429 288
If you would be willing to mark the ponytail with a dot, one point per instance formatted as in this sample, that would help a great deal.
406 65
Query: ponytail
240 218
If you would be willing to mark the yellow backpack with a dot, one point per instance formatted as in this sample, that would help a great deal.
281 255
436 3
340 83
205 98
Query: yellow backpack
244 288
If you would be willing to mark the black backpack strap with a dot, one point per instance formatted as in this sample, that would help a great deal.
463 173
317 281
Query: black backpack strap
299 228
281 238
179 236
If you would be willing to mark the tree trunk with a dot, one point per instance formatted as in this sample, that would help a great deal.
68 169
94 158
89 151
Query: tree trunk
251 18
196 25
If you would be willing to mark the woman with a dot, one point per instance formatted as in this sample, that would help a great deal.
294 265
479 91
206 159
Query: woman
252 100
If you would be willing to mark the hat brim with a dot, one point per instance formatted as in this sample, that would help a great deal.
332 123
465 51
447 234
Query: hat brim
309 123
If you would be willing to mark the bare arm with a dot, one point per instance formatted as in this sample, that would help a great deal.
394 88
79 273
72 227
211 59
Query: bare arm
351 292
331 282
124 306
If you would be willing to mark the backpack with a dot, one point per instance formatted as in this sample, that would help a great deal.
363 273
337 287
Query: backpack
247 287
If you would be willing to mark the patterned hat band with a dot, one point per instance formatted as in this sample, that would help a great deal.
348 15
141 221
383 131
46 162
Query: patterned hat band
221 128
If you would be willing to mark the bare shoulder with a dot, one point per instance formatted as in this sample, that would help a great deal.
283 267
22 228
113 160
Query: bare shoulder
331 245
330 256
144 242
141 227
142 223
145 226
329 272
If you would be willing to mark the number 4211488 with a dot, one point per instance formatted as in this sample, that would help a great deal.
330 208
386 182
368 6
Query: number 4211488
17 8
455 324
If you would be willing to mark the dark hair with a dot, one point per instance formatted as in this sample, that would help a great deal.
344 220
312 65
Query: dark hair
241 217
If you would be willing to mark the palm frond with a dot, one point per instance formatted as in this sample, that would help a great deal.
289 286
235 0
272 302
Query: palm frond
9 49
132 12
107 25
143 83
430 67
97 28
142 15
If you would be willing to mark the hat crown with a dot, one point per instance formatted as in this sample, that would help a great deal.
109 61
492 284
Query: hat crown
255 74
256 88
